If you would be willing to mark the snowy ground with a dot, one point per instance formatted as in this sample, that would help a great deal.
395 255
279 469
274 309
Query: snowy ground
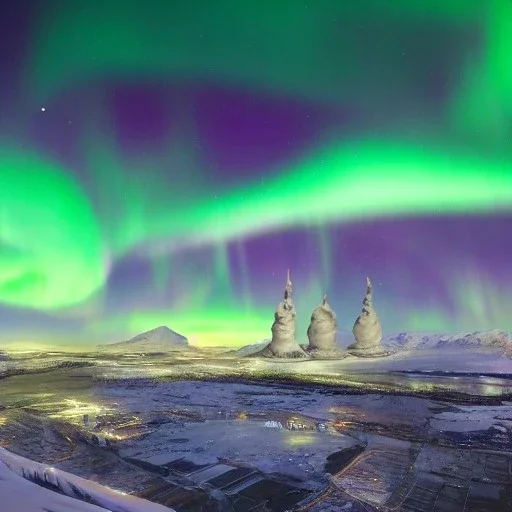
206 421
449 359
479 352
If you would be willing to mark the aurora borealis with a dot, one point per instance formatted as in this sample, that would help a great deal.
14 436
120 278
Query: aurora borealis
166 162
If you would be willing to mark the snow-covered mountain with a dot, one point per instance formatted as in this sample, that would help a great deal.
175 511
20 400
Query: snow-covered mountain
496 339
157 341
27 486
3 355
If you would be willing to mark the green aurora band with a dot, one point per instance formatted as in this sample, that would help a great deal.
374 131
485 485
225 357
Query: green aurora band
52 252
59 258
83 40
57 247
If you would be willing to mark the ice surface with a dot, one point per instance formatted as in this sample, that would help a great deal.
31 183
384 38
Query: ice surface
206 422
276 450
470 419
17 489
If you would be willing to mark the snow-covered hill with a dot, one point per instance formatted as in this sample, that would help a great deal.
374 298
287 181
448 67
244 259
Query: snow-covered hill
157 341
27 486
494 339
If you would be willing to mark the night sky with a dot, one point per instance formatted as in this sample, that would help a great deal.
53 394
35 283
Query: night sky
164 163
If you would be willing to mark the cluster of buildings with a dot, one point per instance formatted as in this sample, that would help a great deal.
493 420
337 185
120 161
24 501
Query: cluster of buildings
322 331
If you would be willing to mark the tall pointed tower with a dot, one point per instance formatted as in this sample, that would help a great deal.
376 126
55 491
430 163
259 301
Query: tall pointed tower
283 342
367 329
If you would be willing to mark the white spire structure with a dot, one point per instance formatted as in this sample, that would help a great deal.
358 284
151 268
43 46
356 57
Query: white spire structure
283 342
322 333
367 329
323 327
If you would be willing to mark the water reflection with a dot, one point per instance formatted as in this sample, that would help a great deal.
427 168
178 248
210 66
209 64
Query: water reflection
466 384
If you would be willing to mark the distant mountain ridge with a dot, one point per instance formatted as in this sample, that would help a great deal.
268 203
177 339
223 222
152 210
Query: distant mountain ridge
159 340
494 338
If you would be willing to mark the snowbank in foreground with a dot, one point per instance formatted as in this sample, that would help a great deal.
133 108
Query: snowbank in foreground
24 496
19 492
